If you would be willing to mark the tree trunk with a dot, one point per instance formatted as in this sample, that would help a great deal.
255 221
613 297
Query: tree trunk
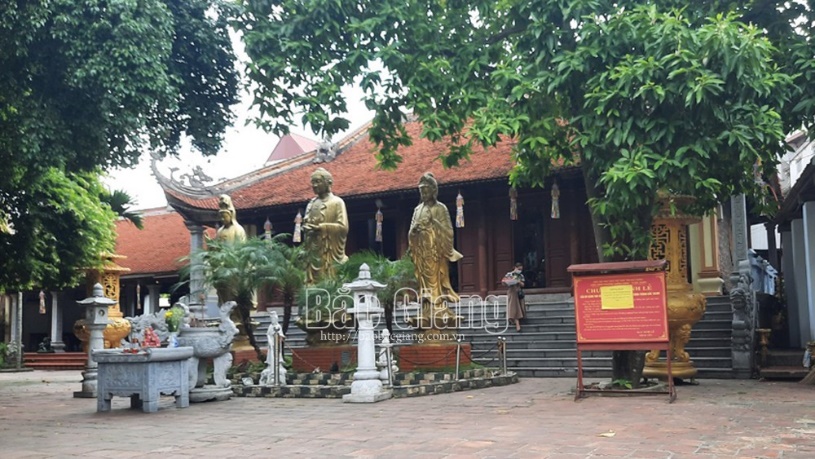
625 365
246 319
601 235
288 303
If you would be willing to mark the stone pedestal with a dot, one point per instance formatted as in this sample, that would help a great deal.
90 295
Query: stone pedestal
143 377
56 324
206 346
96 319
210 343
367 387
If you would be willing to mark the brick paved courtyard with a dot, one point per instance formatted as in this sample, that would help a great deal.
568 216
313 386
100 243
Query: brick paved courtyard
536 418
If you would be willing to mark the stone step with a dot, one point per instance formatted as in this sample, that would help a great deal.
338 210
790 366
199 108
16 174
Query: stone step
784 372
547 345
712 324
55 360
785 358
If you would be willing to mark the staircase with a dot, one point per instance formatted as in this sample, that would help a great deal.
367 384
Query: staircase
55 360
710 342
784 364
546 346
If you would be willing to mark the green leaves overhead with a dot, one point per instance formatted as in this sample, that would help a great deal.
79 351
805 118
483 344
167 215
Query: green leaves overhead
88 85
645 96
63 228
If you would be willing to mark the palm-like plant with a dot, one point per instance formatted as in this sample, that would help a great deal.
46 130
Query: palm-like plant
396 275
121 202
236 269
289 275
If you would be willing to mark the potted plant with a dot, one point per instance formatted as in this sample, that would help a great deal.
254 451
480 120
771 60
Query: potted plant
173 317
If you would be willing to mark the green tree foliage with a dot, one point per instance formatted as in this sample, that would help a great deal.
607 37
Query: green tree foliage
63 228
120 203
686 97
85 86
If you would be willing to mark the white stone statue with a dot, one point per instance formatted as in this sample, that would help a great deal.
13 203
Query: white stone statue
274 335
382 360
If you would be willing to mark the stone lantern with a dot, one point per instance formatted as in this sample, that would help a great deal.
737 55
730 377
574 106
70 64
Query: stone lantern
670 242
367 387
96 319
108 276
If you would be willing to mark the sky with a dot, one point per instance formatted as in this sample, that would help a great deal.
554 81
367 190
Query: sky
245 148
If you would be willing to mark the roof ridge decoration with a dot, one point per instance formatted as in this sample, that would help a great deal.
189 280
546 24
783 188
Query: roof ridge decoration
326 152
196 180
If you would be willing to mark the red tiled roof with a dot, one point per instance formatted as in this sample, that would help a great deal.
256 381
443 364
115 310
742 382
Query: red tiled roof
156 248
356 173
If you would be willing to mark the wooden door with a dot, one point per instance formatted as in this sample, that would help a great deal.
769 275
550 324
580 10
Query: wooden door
467 244
500 242
558 234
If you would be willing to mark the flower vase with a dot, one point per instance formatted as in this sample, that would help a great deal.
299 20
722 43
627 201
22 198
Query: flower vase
172 340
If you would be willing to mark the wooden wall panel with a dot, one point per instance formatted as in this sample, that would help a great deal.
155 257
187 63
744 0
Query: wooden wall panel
500 240
467 244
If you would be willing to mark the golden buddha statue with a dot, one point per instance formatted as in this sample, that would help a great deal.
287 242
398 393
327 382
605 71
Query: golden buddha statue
231 232
325 228
230 229
430 240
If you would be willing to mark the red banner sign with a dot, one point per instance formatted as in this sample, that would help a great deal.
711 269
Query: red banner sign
621 308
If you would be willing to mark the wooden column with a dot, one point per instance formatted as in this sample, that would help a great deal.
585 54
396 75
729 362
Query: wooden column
709 277
483 266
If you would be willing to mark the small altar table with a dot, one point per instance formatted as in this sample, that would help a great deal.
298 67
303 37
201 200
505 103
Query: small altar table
143 377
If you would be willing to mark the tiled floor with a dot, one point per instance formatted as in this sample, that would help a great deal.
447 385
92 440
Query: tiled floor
536 418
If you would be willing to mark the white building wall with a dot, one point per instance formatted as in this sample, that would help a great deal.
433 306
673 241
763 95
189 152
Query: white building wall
794 162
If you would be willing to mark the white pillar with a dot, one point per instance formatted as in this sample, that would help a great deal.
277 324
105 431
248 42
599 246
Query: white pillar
801 273
367 387
12 318
197 294
809 263
788 268
738 216
19 321
56 324
154 291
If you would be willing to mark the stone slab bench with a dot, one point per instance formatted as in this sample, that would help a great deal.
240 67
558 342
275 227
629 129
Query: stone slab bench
143 377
